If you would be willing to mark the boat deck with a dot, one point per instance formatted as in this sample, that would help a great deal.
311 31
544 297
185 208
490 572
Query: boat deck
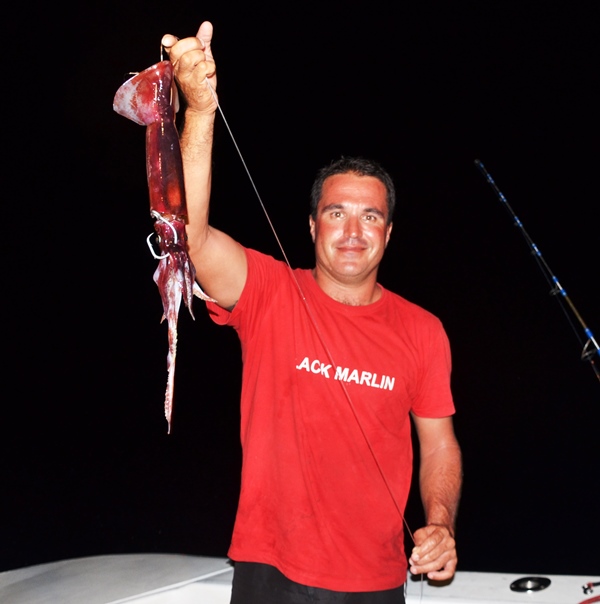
180 579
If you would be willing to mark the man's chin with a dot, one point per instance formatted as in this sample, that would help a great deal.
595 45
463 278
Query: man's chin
349 270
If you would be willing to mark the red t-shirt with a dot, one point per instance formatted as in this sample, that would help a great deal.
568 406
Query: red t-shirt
326 396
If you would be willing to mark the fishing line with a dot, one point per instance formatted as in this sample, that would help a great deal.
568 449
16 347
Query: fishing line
312 319
591 347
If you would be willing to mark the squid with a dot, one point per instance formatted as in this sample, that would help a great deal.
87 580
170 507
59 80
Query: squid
149 99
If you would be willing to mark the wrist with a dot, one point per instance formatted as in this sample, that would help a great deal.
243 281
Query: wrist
449 527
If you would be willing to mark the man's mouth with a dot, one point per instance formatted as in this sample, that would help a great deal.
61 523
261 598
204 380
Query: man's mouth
351 247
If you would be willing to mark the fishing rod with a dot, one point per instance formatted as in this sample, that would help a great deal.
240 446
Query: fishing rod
591 349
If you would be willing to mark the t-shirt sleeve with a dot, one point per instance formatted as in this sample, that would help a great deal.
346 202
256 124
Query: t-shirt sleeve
261 278
434 396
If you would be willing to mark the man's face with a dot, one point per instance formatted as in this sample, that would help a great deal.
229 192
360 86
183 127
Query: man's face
350 231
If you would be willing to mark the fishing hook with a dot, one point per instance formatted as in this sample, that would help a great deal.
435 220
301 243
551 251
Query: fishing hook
162 219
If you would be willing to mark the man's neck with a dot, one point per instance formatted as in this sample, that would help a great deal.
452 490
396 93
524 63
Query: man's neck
353 294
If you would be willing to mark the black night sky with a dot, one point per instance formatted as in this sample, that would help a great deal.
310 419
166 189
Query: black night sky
425 88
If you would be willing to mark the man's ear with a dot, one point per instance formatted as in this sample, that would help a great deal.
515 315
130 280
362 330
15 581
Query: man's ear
312 226
389 233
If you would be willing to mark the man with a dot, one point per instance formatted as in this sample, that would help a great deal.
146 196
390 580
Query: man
334 367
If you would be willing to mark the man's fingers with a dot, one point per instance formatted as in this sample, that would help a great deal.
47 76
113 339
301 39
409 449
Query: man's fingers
168 41
443 572
434 552
205 33
193 66
177 48
187 52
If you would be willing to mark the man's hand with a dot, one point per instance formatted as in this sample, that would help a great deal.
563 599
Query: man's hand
434 553
195 69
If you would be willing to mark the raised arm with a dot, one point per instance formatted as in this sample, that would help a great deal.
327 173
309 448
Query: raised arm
219 260
440 481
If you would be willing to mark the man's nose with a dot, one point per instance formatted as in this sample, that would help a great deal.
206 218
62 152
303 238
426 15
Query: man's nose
353 227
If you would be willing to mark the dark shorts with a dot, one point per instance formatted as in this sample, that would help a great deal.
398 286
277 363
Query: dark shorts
255 583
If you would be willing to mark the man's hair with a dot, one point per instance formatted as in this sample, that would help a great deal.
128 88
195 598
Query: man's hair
360 167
